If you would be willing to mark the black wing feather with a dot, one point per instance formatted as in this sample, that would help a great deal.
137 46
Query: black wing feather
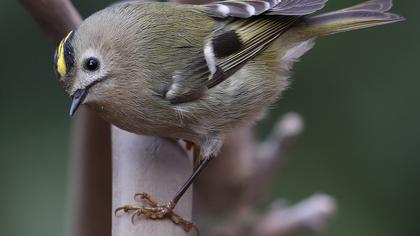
240 38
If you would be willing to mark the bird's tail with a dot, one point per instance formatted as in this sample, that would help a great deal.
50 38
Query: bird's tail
364 15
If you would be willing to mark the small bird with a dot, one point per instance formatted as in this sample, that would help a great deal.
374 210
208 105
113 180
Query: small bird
194 72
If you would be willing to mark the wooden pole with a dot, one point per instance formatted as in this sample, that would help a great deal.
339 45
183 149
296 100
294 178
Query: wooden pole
153 165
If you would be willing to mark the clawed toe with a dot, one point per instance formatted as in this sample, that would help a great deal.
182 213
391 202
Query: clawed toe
146 198
154 211
126 209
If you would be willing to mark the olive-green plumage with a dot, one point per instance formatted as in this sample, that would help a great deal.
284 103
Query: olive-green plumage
196 72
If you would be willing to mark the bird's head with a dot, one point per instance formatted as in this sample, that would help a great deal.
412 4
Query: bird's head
80 65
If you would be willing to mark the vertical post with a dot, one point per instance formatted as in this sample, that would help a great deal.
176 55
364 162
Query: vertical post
148 164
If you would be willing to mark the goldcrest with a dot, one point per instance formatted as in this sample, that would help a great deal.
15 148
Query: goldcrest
195 72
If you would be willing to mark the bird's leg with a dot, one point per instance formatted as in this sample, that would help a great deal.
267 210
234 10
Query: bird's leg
197 156
155 211
189 145
196 153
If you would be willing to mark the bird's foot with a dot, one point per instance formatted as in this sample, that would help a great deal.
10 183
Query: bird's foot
154 211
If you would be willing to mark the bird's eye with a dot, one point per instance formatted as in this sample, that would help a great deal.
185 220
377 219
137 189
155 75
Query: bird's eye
91 64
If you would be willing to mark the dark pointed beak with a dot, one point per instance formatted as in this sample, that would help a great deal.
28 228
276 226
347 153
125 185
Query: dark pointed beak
78 98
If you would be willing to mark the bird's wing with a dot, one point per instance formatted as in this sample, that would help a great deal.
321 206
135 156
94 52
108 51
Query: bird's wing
238 39
248 8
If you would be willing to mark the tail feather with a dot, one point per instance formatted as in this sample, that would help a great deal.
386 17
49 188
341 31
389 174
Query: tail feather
368 14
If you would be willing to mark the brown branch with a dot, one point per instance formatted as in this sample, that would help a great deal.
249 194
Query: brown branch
241 174
270 156
56 17
91 153
228 194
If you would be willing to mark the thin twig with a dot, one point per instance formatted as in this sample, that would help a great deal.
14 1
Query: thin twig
310 215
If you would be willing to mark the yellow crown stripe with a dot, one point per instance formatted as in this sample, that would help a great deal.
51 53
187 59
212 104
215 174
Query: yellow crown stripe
61 63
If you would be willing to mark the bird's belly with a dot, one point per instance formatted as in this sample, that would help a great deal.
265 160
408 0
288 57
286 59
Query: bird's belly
238 101
136 120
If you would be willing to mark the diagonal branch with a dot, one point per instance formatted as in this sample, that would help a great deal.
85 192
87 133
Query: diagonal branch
56 17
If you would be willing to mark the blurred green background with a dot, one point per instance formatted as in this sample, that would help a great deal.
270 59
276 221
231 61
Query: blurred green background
358 93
